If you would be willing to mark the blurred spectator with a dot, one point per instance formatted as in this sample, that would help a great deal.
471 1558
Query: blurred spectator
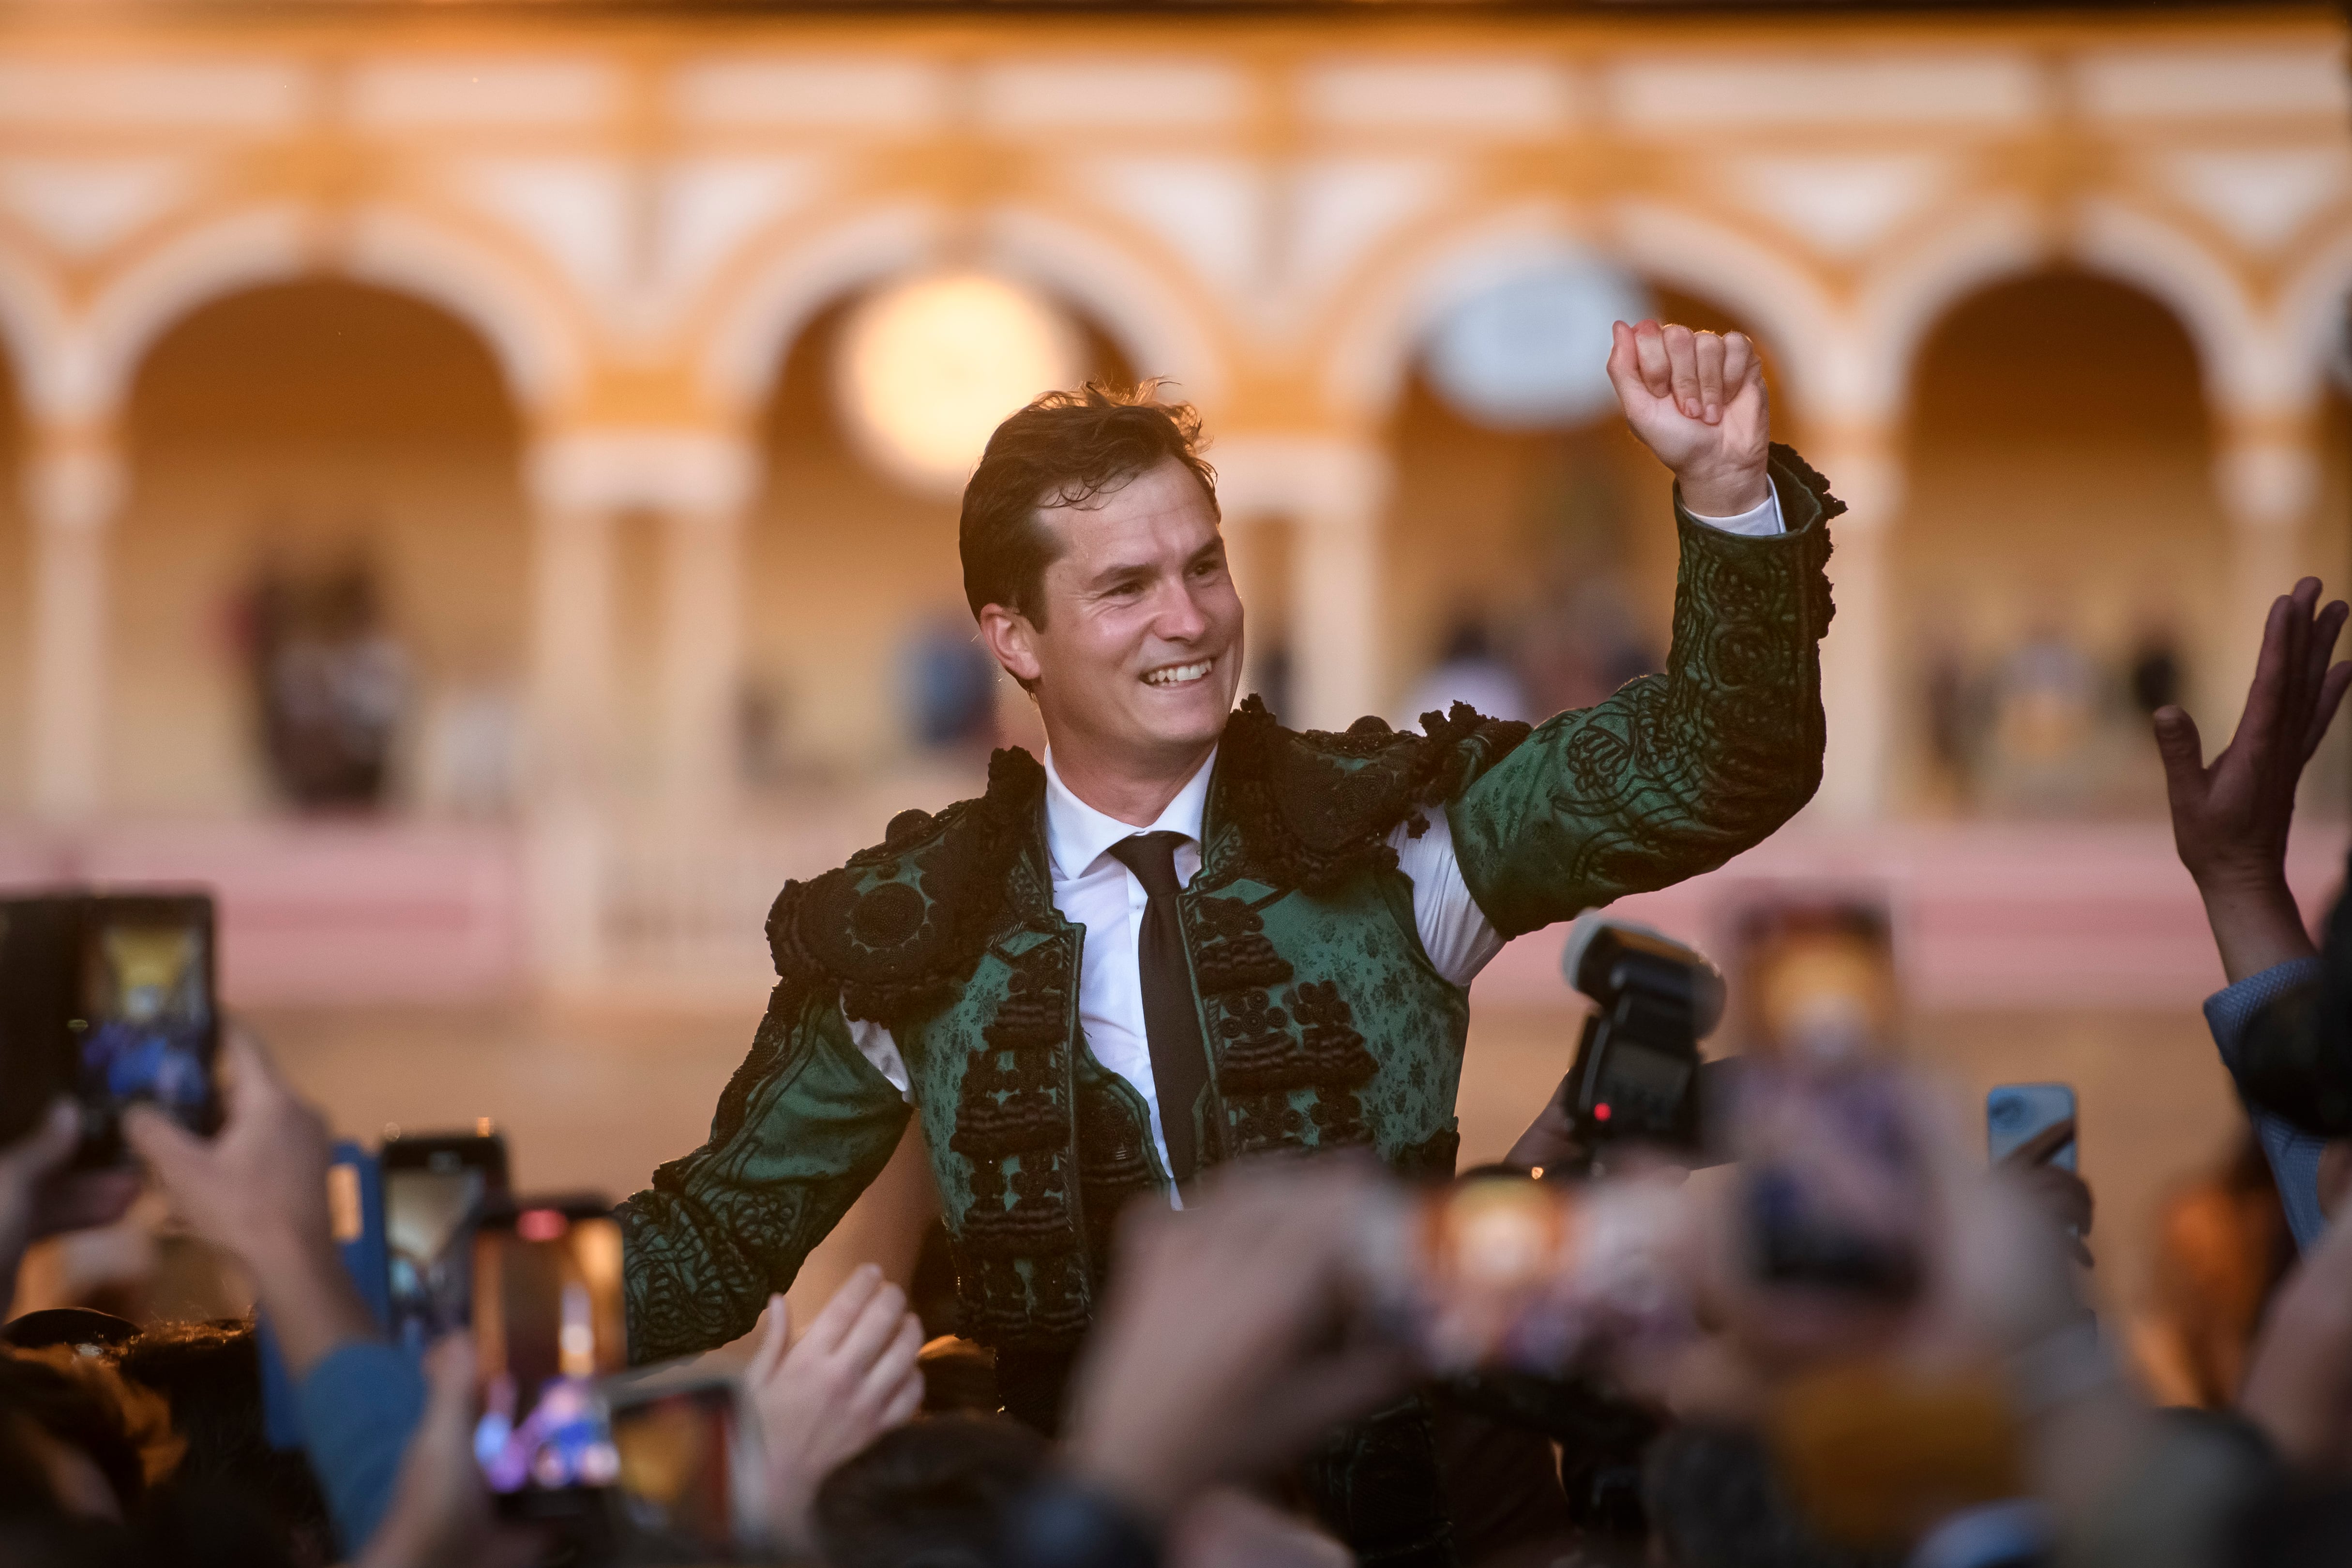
1467 671
2045 708
2222 1247
333 685
470 750
1274 678
1952 707
762 712
1582 645
950 684
2156 677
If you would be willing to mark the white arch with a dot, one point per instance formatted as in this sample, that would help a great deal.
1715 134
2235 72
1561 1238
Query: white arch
2246 368
755 326
282 243
2309 315
1902 301
754 331
1381 320
1364 371
32 330
1802 328
537 348
1154 326
258 247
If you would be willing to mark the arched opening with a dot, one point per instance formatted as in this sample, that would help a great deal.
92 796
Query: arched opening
854 584
1558 545
2060 562
16 594
317 465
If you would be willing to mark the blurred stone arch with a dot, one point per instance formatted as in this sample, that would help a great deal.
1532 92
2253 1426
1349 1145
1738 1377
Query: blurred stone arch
305 422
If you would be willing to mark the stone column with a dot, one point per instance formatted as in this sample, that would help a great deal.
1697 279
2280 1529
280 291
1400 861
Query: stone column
709 487
1861 665
583 481
1332 490
2266 474
566 797
75 483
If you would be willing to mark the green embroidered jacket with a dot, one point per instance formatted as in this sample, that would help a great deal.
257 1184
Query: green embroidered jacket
1326 1023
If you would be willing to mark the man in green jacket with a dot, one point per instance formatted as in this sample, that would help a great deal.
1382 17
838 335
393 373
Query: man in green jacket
1191 935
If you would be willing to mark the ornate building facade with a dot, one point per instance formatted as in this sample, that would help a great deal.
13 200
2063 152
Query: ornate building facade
586 253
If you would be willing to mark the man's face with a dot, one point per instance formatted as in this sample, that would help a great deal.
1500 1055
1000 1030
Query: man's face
1140 654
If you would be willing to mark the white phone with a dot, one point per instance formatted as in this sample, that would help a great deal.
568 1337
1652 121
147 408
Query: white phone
2015 1113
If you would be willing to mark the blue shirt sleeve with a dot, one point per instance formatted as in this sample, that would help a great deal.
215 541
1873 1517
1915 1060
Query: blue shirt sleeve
360 1406
2294 1154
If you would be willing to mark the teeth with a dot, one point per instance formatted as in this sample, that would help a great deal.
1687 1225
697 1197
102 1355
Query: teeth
1177 674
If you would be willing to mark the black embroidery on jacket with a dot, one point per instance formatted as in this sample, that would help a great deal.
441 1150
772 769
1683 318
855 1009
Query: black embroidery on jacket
1314 807
901 925
1020 1274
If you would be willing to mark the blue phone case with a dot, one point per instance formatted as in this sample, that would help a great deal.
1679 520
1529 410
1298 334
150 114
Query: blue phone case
356 1202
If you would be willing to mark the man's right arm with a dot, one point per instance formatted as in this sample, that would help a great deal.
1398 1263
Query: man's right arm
804 1124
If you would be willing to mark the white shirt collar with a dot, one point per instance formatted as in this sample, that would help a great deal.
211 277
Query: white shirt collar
1077 834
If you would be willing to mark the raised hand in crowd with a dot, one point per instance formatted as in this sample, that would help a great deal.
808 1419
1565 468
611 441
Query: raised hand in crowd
41 1195
440 1517
2229 819
259 1188
1224 1347
1696 400
826 1393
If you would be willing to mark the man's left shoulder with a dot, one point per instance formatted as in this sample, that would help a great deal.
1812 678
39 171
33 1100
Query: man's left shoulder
1314 805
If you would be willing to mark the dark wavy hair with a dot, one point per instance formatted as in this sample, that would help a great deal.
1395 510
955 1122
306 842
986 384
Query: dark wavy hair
1064 449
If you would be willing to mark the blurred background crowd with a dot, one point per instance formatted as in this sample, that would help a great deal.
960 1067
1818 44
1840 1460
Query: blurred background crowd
477 486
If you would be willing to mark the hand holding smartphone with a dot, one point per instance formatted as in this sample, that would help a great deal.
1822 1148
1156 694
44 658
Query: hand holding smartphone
108 997
548 1324
436 1188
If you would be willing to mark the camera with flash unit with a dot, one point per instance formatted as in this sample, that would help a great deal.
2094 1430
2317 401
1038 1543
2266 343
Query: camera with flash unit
1636 1077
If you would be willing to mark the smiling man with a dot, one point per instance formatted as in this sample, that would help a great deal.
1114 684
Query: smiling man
1189 935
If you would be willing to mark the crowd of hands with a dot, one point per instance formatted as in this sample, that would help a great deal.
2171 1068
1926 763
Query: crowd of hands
1238 1331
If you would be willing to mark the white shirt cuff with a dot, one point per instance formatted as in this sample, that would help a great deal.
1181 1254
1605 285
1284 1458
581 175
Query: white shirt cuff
1759 523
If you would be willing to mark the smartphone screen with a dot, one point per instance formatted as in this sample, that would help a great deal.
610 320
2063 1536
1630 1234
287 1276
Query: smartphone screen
436 1188
146 1031
548 1321
679 1457
2016 1112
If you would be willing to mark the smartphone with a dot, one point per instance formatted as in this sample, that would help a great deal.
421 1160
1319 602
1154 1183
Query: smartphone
548 1324
108 997
689 1469
1834 1186
436 1187
2015 1113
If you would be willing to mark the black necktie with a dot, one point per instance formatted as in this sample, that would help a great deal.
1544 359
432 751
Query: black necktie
1171 1018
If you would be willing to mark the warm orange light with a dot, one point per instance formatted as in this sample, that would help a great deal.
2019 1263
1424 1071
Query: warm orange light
928 368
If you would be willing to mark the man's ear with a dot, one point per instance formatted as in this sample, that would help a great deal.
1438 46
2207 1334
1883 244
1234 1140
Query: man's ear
1012 642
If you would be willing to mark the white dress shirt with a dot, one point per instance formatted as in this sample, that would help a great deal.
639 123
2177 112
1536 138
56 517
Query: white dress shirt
1095 891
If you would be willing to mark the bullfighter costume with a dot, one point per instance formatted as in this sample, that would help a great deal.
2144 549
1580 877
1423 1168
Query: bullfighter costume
1326 1023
